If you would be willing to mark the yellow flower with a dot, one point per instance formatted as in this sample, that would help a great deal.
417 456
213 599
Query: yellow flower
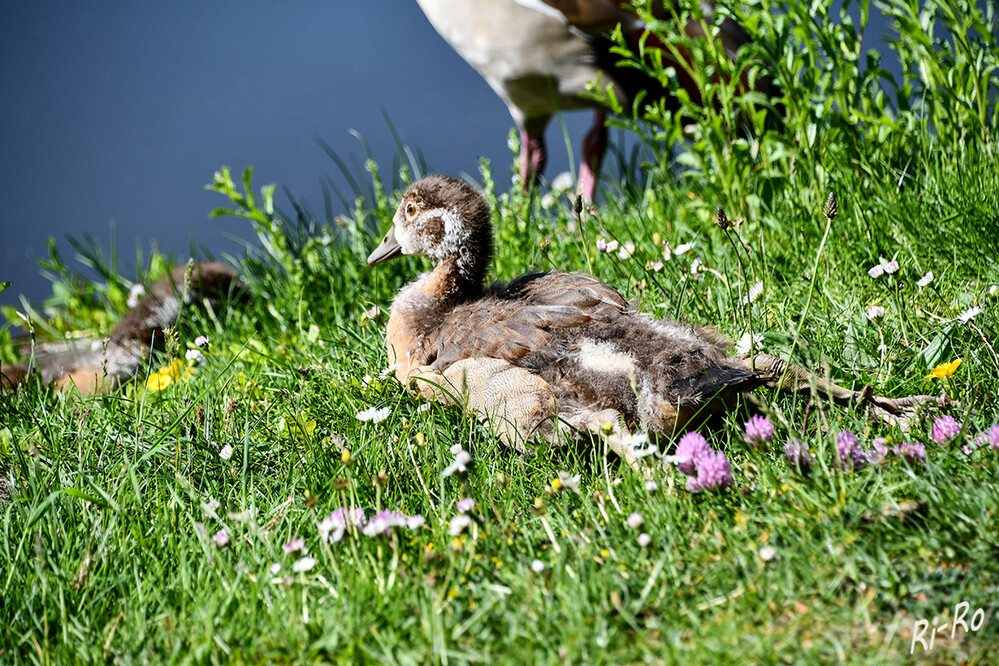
158 381
944 370
169 374
556 484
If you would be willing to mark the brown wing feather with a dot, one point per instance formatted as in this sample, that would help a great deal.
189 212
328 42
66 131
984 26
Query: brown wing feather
517 319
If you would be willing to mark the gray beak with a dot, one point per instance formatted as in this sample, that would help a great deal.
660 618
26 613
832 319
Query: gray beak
388 249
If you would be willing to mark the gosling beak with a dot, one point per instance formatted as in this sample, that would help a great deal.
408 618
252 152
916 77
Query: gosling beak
388 249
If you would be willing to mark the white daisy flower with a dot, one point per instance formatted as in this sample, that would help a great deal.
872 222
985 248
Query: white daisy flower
374 414
970 314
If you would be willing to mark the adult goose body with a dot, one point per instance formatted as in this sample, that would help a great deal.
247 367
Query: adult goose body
541 56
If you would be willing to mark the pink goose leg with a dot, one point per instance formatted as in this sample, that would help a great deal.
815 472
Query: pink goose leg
593 148
532 157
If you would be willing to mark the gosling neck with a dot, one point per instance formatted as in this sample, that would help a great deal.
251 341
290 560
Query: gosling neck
457 277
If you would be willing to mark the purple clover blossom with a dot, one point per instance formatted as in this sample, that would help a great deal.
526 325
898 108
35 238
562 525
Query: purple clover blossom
914 452
758 430
849 454
945 428
383 522
994 438
797 456
713 473
689 450
879 449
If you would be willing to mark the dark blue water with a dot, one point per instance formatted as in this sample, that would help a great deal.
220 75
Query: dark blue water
116 114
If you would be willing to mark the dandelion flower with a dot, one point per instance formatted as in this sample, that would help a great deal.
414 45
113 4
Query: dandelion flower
159 380
925 280
970 314
713 473
943 370
537 566
635 520
875 312
373 414
945 428
797 455
644 539
304 564
690 448
221 539
759 430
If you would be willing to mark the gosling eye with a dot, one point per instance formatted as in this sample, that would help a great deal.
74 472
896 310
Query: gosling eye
410 209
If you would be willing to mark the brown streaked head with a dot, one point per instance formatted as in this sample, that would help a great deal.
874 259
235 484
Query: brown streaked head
440 217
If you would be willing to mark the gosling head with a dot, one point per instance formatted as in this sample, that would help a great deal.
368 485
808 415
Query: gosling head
442 218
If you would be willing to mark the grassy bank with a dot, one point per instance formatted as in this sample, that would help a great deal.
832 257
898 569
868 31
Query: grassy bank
163 525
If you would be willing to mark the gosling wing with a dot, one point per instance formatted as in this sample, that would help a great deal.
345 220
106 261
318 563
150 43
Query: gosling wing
516 319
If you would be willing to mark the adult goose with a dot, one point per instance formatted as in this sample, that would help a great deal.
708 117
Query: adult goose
550 348
539 56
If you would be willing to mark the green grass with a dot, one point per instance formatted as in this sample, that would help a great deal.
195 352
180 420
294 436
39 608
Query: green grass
106 548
